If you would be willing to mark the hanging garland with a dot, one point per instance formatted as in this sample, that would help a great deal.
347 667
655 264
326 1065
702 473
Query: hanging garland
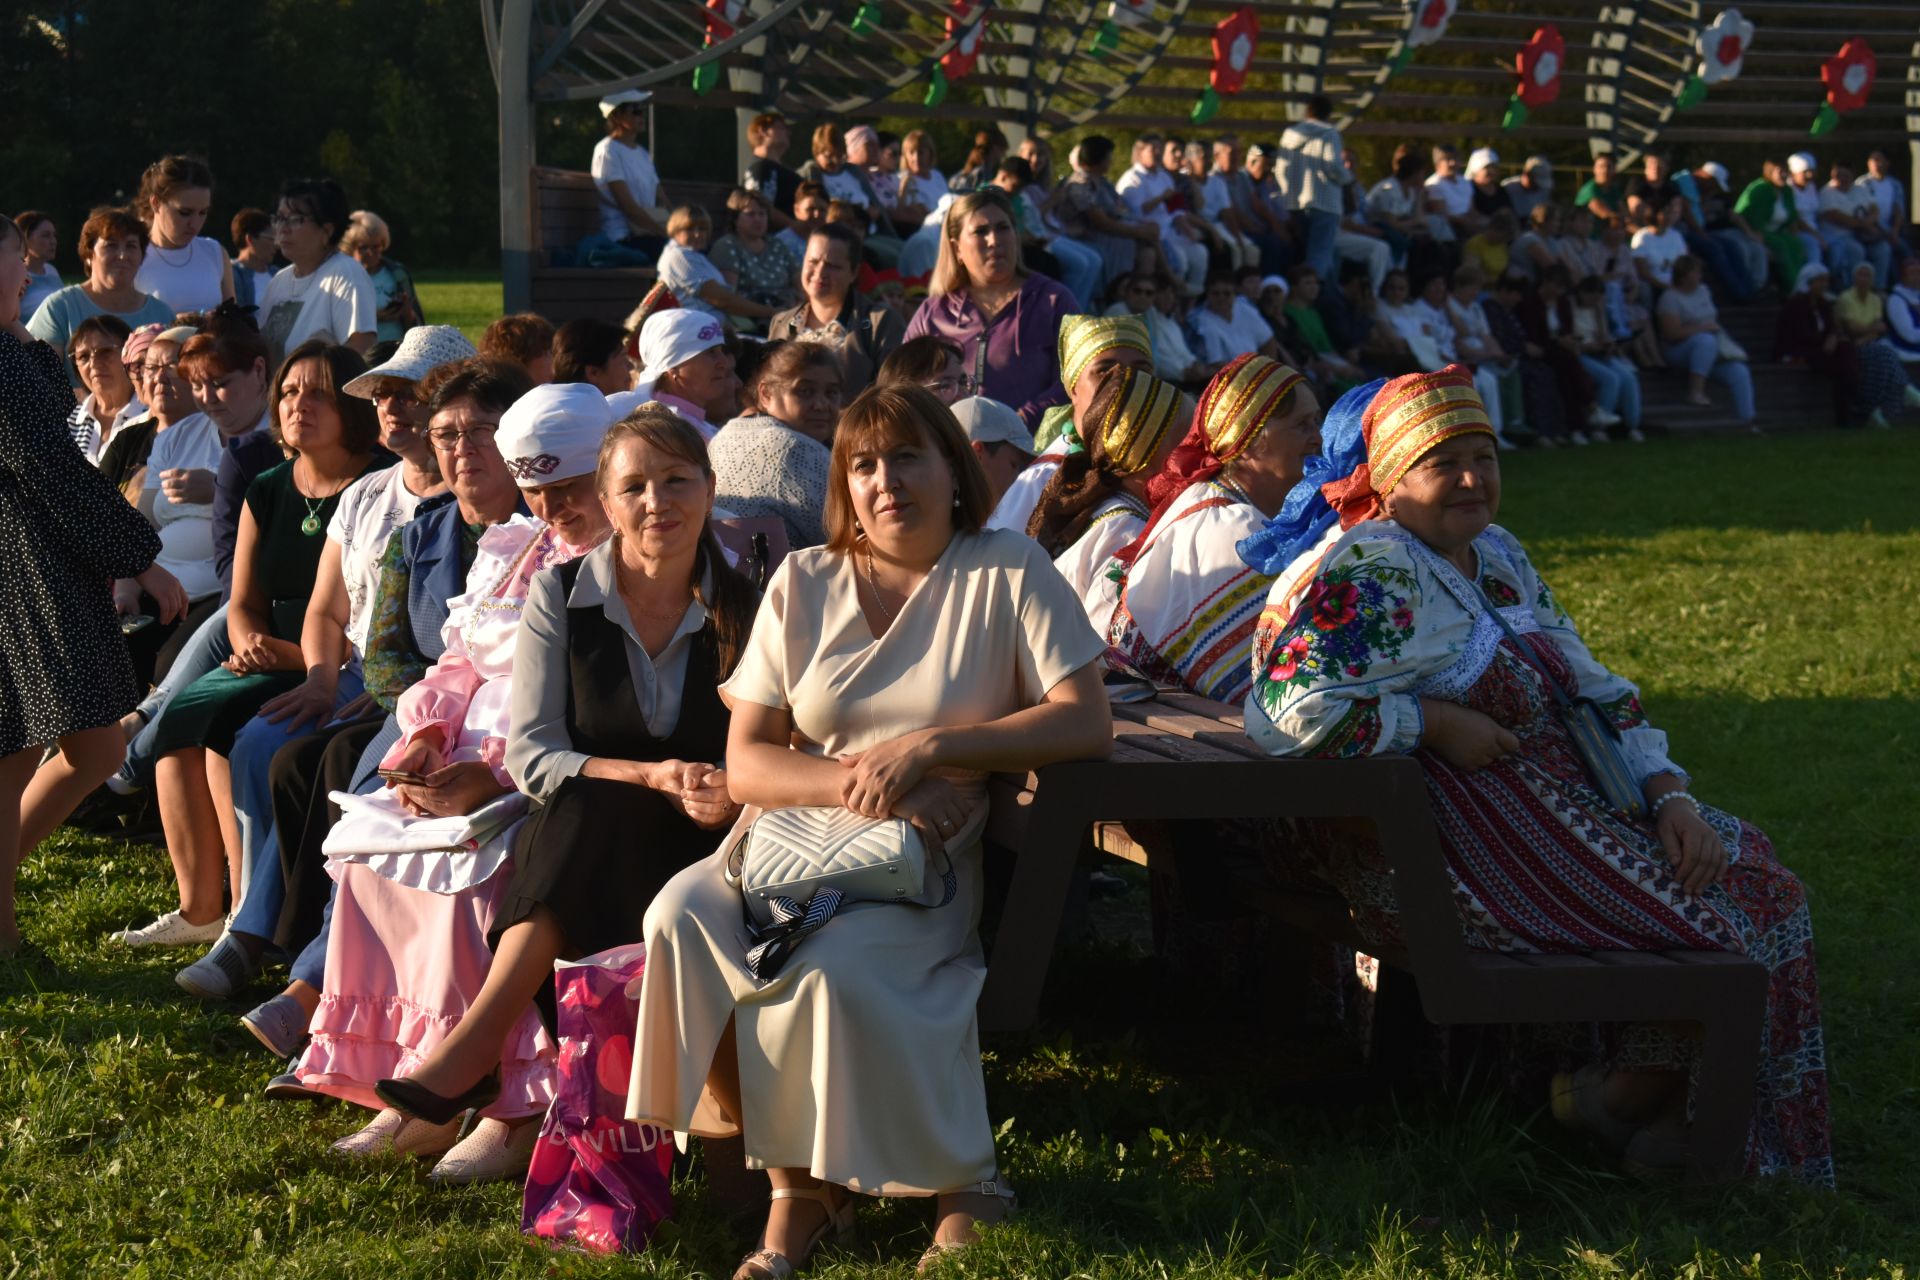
1723 45
1538 64
1234 40
1430 19
722 17
1848 76
964 27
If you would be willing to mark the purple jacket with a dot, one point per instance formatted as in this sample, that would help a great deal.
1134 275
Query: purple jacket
1023 362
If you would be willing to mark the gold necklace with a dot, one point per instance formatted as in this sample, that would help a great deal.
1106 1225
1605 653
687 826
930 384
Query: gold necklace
873 585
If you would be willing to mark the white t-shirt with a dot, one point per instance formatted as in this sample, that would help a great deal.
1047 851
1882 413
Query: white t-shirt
370 509
186 528
1854 201
1455 194
1389 198
1222 340
1806 203
845 185
1658 249
615 161
185 279
334 302
1017 504
683 271
1138 185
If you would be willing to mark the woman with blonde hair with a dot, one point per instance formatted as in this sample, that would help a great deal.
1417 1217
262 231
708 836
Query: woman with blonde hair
692 277
909 658
1003 317
396 306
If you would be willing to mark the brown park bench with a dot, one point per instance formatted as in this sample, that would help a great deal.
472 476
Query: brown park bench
566 209
1180 757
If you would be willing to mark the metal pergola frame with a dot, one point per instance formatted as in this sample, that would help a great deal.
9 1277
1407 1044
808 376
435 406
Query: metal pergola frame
1626 63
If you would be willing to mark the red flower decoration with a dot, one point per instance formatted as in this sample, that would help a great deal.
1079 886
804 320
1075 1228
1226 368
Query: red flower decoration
1848 75
1538 63
1289 658
1234 41
721 17
964 26
1336 606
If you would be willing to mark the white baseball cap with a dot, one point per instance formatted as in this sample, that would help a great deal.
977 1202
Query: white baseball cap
614 101
422 349
1482 158
671 338
1802 162
553 433
1718 170
990 422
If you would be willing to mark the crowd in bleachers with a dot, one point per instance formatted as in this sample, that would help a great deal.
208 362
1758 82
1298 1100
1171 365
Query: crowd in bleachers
420 647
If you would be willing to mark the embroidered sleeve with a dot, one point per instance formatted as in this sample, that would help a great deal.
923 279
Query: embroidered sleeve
391 663
1335 677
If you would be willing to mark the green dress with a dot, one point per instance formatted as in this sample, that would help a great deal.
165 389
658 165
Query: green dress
293 532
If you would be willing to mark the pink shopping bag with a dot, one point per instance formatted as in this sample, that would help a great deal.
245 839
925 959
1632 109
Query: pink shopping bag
598 1181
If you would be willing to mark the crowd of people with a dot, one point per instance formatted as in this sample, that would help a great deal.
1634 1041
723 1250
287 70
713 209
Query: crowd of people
438 669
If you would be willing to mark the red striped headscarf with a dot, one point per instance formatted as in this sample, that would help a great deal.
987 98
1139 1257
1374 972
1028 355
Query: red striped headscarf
1233 411
1407 419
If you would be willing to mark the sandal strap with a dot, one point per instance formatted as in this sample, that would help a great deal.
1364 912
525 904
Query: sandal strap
764 1264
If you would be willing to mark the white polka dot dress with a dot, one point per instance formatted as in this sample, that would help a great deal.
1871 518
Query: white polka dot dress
65 534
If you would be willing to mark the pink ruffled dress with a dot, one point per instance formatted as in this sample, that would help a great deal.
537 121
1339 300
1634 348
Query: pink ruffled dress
407 948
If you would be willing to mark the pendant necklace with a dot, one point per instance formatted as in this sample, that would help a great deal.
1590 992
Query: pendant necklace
311 525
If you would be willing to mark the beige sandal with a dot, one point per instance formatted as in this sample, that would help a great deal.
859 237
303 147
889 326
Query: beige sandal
766 1264
942 1248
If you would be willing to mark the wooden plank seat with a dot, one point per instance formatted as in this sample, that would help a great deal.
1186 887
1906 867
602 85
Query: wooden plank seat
1179 757
566 210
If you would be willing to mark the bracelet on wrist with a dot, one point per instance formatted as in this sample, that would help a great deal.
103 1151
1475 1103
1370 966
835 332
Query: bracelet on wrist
1653 810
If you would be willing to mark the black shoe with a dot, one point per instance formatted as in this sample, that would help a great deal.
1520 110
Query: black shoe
423 1103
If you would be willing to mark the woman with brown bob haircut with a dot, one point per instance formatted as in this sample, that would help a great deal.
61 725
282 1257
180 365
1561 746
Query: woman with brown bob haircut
113 243
276 557
911 656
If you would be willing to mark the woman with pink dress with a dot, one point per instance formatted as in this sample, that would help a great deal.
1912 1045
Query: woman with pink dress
421 866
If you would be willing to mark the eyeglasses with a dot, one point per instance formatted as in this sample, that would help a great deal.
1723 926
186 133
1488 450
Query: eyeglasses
290 221
450 438
960 386
156 366
94 355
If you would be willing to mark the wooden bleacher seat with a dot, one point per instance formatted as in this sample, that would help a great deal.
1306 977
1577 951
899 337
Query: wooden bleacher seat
566 211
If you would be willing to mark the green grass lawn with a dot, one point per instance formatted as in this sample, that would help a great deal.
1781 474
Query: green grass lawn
468 299
1765 592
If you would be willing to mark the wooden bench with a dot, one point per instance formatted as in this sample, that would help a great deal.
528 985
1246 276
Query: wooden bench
1180 757
566 210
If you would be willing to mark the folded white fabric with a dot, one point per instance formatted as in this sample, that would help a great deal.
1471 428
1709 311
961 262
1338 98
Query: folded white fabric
438 855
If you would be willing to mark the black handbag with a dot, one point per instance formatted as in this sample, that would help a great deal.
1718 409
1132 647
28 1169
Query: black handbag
1593 733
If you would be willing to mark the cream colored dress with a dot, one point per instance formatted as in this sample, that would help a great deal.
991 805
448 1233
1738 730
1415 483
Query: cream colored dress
860 1061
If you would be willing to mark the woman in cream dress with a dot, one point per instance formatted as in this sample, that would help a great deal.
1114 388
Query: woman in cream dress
912 655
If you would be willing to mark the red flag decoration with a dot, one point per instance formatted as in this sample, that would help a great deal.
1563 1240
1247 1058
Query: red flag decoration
964 26
1848 76
1538 64
1234 40
721 15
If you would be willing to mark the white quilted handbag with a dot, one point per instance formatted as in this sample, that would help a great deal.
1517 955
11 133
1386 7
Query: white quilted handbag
794 867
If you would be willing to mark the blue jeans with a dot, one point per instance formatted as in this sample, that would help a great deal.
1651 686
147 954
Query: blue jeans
1700 356
310 966
253 751
208 648
1323 229
1616 386
1725 265
1842 253
1079 269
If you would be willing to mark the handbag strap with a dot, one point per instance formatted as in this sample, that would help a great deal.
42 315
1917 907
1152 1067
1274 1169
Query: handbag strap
1561 698
794 922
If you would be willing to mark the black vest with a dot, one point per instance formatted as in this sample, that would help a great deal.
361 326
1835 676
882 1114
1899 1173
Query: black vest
603 711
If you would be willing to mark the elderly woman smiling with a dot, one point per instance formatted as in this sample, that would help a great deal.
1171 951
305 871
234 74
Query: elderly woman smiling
112 244
909 657
1387 642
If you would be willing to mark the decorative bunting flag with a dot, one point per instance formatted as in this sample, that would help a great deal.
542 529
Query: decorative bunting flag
1538 64
866 19
723 17
964 26
1848 76
1429 19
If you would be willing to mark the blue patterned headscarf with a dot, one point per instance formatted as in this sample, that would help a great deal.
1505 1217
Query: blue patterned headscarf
1307 515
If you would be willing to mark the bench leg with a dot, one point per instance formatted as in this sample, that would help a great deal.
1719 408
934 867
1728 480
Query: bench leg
1723 1103
1030 923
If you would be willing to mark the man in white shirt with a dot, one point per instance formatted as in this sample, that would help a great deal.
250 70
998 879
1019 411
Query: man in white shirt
1449 198
1850 228
1173 359
1226 330
1889 199
1313 177
624 174
1532 187
1146 186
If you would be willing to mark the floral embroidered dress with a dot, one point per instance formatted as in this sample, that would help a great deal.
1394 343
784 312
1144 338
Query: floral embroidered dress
407 948
1538 860
1188 603
1088 564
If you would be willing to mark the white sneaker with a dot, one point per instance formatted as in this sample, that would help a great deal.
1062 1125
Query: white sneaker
1878 420
170 930
1910 394
1602 418
1598 437
219 973
1578 437
1637 436
493 1152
